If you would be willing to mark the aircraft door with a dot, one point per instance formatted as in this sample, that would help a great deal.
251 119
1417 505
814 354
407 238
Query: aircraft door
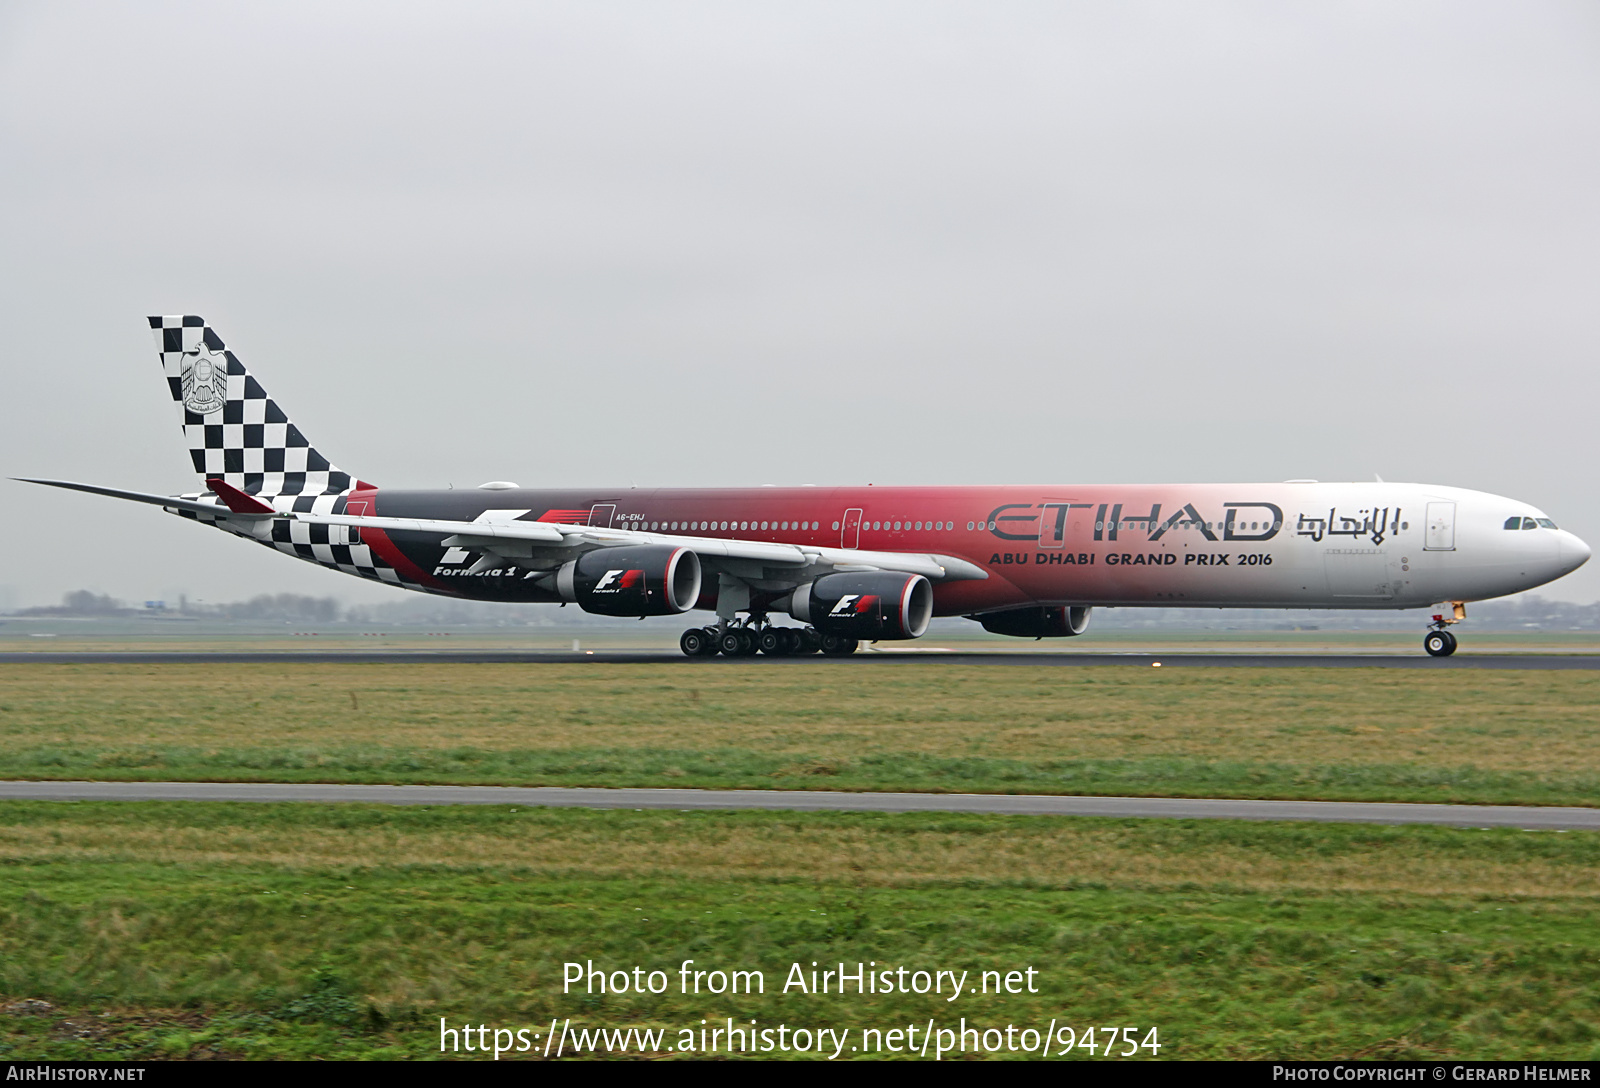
850 534
1358 572
1441 528
352 533
601 515
1053 524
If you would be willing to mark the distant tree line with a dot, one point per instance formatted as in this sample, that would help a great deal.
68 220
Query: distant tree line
267 606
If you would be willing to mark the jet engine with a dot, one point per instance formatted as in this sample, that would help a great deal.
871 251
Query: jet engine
642 581
1038 622
871 605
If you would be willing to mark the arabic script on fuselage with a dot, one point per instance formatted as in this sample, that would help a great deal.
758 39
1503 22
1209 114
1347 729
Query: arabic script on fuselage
1376 523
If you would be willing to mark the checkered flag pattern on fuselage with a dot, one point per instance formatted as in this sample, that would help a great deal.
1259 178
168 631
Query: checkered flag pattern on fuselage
238 434
235 431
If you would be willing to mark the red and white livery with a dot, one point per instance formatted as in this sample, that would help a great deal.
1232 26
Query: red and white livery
848 563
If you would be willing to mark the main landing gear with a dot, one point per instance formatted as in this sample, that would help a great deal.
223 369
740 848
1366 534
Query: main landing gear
1439 642
747 640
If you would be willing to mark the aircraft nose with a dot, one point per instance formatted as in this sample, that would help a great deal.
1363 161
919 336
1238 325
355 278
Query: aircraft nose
1574 552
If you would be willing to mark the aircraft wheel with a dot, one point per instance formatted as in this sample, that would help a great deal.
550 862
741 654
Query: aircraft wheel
737 642
836 646
696 643
810 641
1439 643
774 642
794 641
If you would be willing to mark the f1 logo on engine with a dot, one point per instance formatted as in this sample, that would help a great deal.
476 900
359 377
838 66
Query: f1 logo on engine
615 581
853 603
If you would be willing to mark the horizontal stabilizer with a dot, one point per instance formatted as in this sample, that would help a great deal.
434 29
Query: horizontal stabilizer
238 501
195 506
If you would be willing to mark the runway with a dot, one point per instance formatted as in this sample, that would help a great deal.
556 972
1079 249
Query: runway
1171 808
1418 660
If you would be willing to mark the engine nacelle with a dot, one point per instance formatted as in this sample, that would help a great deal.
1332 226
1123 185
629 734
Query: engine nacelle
1039 622
643 581
873 605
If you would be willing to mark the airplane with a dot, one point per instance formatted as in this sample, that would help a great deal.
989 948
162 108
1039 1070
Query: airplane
851 564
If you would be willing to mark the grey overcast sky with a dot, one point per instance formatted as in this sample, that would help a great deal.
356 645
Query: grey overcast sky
732 243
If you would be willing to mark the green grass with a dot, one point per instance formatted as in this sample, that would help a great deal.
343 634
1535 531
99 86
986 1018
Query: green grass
1502 737
735 768
192 930
347 931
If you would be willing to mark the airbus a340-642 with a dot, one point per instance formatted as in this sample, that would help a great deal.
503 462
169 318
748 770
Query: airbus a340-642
848 563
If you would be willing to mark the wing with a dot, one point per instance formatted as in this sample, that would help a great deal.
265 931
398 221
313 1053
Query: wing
542 545
536 543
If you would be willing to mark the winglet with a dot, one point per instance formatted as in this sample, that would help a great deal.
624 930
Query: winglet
237 501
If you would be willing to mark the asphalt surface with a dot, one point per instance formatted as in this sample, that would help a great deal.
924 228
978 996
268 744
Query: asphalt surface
1528 818
663 657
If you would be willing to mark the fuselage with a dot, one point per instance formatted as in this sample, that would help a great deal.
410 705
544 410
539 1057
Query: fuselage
1284 545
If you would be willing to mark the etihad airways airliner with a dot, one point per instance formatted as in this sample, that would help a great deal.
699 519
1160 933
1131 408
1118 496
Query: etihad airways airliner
849 563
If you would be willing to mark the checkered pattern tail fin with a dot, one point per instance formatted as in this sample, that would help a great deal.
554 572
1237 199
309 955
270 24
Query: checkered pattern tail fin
236 432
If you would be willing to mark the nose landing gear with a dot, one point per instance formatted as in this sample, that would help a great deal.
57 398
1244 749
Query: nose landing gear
1439 642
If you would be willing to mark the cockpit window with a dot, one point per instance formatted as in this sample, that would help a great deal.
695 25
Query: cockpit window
1514 523
1529 523
1547 523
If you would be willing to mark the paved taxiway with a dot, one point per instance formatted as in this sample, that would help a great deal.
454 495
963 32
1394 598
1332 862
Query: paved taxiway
1419 660
1179 808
